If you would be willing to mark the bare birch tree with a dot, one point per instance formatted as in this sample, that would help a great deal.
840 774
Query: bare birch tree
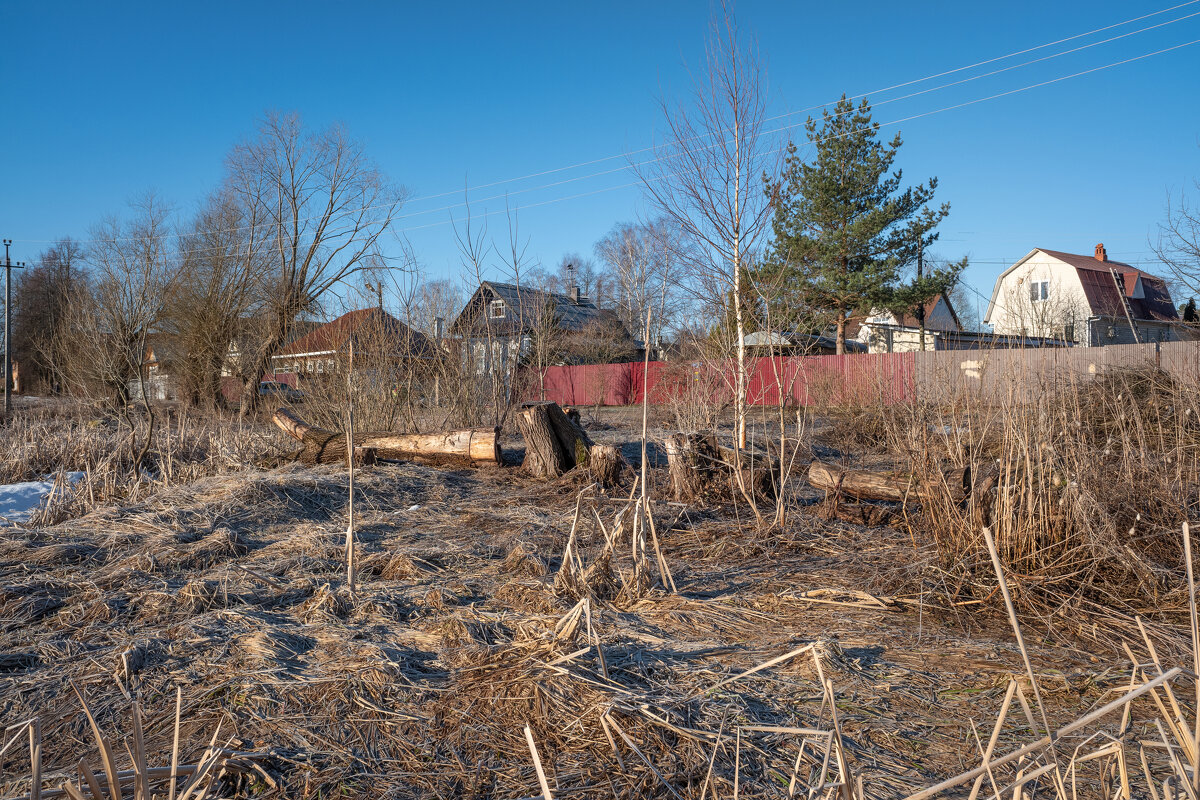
327 206
707 177
642 259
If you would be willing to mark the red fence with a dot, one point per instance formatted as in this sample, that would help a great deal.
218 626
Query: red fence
807 381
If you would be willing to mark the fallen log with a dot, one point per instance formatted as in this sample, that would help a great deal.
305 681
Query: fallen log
892 486
329 447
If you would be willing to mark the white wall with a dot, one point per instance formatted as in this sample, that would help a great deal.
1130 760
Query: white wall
1014 314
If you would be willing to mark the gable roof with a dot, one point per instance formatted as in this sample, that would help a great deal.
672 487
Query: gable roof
527 305
909 320
359 325
1100 289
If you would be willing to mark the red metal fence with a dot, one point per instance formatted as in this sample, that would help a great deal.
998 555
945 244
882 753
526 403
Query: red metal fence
807 381
857 378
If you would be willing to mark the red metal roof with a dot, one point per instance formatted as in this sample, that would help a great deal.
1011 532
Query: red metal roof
1101 290
334 336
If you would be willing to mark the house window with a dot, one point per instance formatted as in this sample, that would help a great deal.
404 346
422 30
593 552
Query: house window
496 309
1039 290
308 366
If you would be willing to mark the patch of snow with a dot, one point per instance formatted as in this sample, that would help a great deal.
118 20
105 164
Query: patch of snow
18 501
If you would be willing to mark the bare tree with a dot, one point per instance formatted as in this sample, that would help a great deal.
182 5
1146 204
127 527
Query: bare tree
707 177
111 320
224 262
1057 315
642 259
326 205
1178 242
40 310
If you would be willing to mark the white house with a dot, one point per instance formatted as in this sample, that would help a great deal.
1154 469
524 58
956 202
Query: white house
1085 300
886 332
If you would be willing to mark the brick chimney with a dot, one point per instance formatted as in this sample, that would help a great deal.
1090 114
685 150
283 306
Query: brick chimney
1101 254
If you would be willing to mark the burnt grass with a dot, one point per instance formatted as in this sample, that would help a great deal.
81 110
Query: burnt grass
420 683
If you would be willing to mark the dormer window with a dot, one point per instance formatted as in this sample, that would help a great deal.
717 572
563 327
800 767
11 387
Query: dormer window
496 309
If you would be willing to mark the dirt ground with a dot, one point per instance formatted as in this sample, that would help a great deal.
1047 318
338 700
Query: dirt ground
421 683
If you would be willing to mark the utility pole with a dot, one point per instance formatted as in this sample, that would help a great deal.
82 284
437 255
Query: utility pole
8 268
920 274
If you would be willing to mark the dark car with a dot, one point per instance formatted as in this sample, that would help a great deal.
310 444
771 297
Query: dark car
280 391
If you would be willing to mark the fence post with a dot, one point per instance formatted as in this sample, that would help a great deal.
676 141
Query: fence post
1158 355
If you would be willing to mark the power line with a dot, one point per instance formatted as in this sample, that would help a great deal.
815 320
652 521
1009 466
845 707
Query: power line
890 123
884 124
785 115
852 97
793 125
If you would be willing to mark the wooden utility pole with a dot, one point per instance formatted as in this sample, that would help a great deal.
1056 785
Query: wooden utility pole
920 274
8 268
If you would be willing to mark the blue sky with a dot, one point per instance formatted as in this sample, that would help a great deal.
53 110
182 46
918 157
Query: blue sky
106 100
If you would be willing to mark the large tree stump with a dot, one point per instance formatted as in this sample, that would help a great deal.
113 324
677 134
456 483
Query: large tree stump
544 456
329 447
553 443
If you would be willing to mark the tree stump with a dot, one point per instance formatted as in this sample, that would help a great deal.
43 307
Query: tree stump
690 462
699 465
606 464
553 443
544 456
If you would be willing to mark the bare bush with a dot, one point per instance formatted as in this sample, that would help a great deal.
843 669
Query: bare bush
1084 487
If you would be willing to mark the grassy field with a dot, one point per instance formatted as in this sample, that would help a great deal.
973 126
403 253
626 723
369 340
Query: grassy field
475 659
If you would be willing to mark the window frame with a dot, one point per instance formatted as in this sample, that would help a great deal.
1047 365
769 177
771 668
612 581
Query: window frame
493 306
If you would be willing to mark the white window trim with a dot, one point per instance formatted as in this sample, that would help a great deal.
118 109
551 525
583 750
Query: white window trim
493 306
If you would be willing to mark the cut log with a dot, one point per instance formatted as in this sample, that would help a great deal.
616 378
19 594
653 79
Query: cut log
553 443
891 486
329 447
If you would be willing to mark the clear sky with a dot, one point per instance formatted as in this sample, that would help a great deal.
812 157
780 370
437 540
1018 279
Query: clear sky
103 101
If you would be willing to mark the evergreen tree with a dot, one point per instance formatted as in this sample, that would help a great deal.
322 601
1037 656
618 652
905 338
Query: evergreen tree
845 233
1189 311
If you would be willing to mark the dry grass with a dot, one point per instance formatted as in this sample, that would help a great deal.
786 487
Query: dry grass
1084 487
46 441
495 648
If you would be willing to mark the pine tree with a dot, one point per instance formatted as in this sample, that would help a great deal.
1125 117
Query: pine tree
1189 311
845 232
